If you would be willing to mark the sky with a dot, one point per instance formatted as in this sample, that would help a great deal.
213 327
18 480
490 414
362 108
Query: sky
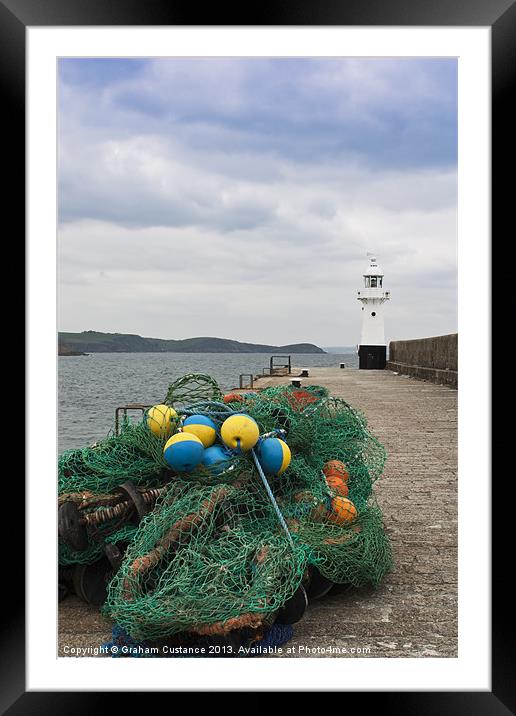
238 197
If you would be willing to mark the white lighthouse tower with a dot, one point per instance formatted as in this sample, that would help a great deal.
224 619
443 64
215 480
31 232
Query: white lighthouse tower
372 349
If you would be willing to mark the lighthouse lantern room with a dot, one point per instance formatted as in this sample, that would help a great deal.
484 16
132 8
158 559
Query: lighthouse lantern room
372 350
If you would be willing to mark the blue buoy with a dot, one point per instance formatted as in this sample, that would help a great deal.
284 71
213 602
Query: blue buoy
183 452
216 459
274 456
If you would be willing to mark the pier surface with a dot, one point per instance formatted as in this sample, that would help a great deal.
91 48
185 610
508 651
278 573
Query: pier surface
413 613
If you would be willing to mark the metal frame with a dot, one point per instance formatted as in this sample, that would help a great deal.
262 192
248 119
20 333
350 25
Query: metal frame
283 365
124 409
241 380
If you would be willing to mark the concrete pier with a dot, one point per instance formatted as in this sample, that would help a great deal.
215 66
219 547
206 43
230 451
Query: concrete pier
414 611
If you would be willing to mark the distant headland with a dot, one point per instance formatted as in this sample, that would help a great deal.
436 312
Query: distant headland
65 350
95 342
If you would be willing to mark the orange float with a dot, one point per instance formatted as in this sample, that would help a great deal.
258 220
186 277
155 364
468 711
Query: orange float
343 511
233 398
336 468
337 485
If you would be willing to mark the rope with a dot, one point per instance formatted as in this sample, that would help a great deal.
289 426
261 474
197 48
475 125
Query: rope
272 498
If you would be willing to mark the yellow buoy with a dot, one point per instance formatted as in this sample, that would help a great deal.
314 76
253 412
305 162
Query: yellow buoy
203 427
161 420
240 432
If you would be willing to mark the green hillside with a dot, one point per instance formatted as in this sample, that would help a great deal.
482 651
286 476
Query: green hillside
95 342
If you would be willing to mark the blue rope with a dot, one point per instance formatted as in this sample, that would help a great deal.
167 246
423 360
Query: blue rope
215 410
277 635
272 498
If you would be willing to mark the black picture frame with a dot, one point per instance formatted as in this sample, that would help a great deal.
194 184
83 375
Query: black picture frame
500 15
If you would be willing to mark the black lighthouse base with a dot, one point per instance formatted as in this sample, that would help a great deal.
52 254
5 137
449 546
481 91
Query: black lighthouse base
372 357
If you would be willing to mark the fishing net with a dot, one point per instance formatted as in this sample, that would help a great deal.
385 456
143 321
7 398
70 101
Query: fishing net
105 465
192 387
321 428
136 453
206 560
218 552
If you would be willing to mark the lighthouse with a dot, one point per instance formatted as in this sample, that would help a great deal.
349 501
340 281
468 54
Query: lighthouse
372 349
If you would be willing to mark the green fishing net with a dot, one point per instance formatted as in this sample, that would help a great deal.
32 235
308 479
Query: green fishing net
206 560
226 549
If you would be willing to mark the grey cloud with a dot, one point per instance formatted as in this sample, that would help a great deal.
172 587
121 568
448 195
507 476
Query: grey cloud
146 182
177 223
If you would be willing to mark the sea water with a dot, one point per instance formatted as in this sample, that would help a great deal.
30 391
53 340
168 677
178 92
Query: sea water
92 386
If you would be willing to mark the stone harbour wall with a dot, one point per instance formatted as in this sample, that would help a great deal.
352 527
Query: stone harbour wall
433 359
